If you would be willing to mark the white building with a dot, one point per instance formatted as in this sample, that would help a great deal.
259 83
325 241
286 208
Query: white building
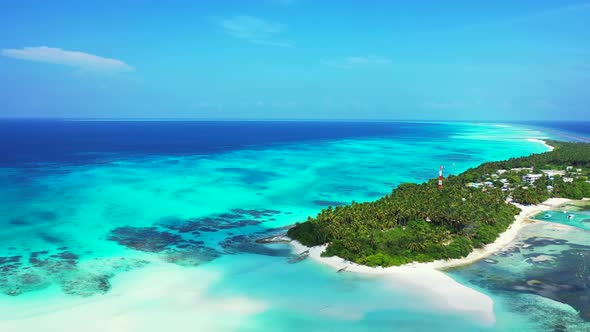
552 173
528 169
531 178
568 180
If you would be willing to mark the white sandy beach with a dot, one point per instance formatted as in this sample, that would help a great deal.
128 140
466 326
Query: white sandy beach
428 278
549 147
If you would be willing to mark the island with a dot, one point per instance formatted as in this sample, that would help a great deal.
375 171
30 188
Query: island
419 223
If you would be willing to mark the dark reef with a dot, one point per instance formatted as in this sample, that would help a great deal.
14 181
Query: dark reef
235 218
178 241
567 281
143 238
560 275
59 266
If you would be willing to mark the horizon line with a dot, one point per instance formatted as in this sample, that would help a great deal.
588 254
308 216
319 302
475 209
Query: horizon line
188 119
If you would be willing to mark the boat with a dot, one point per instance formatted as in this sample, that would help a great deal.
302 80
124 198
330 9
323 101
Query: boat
570 216
547 216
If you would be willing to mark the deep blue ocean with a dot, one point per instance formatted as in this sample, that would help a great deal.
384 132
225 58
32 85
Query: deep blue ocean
75 142
25 142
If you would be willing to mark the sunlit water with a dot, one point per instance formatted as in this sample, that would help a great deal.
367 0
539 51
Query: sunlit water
72 230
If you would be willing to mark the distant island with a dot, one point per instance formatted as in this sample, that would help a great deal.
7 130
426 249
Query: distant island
422 223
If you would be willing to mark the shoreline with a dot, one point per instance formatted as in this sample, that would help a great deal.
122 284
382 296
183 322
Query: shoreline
503 240
536 140
426 282
429 279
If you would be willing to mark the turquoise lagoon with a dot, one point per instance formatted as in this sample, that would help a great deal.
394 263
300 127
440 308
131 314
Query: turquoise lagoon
570 216
176 232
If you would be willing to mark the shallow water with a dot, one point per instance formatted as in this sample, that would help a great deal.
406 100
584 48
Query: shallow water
567 216
541 282
71 229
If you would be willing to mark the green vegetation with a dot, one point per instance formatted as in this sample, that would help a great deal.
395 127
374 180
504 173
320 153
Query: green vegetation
419 222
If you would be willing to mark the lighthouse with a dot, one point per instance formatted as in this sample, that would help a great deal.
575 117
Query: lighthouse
440 177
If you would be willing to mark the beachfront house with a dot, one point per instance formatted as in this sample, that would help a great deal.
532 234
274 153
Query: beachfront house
501 171
531 178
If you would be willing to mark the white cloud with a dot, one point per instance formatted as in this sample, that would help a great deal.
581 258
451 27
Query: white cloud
68 58
357 61
255 30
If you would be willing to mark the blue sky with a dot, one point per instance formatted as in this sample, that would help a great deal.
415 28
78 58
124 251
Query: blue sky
296 59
